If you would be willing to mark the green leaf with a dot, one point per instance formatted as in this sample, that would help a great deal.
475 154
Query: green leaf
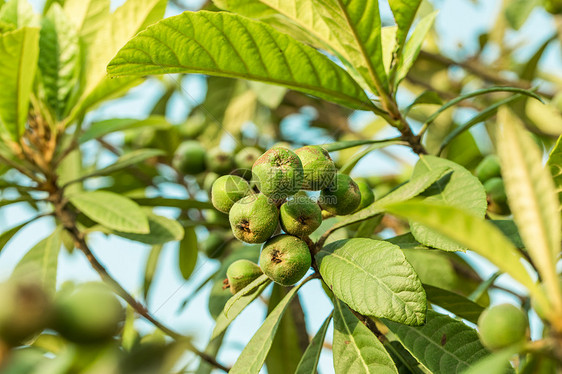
480 117
41 262
345 144
291 339
112 211
7 235
228 45
182 204
69 169
311 357
555 165
19 13
495 363
517 12
253 356
88 17
532 199
405 192
374 278
102 128
356 349
454 303
426 97
162 230
188 253
510 230
128 159
459 189
473 233
404 12
413 47
59 59
237 303
19 51
127 21
150 268
443 345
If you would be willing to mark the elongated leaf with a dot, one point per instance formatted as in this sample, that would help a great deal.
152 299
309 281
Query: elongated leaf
41 262
19 52
444 345
311 357
555 165
356 349
374 278
454 303
459 189
291 338
102 128
404 12
128 159
88 17
345 144
182 204
7 235
352 162
228 45
413 47
162 230
127 20
59 59
480 117
237 303
532 198
473 233
188 252
19 13
112 211
495 363
150 268
483 91
253 356
405 192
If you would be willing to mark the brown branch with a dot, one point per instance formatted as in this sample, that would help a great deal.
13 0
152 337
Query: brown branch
68 220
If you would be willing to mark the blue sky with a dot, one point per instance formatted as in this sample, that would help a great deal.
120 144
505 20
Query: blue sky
458 22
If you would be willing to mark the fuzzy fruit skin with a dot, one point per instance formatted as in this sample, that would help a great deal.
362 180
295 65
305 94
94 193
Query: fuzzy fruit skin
214 245
245 159
241 273
219 161
278 173
497 197
342 197
319 169
367 195
26 310
227 190
254 218
189 158
488 168
502 325
89 315
300 216
285 259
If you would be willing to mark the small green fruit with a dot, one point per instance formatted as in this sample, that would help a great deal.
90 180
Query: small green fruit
193 126
502 325
553 6
245 159
241 273
319 169
227 190
219 161
190 158
89 315
300 216
488 168
214 245
285 259
216 218
26 311
497 197
254 218
278 173
367 195
341 197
